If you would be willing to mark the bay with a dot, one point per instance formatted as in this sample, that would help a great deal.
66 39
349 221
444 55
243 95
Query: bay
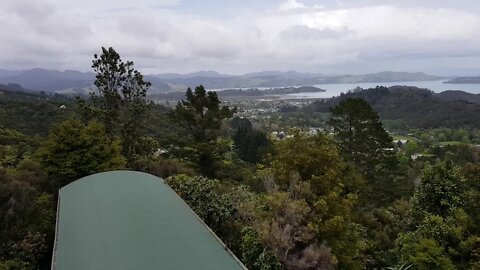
336 89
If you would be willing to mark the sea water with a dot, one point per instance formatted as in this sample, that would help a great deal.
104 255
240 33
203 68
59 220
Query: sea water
336 89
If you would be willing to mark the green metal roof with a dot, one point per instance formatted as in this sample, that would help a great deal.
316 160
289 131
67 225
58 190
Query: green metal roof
131 220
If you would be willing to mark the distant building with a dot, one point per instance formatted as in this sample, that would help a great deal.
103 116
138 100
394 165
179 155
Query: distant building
416 156
159 152
315 131
400 143
130 220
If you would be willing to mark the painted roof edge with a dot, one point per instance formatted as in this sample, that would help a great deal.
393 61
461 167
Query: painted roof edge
86 178
211 232
55 240
138 172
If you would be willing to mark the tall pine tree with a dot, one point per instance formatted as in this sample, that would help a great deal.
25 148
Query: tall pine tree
201 117
363 141
120 104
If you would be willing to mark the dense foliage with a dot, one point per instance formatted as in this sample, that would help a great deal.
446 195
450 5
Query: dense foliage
73 150
252 144
346 195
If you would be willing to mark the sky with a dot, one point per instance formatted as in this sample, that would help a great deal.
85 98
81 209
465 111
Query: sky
235 37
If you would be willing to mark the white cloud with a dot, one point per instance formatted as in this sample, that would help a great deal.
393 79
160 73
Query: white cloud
109 5
291 4
45 33
304 32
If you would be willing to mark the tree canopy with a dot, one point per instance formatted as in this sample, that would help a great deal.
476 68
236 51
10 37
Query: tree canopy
201 114
201 117
361 136
120 104
73 150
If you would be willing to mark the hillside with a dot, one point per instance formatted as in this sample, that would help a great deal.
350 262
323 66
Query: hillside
12 87
464 80
50 80
32 113
290 78
65 82
415 107
453 95
7 73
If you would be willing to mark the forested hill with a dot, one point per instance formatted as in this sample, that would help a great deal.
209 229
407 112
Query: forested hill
414 106
32 113
465 80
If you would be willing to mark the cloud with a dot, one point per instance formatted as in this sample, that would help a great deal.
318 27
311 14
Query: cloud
109 5
307 33
164 39
291 4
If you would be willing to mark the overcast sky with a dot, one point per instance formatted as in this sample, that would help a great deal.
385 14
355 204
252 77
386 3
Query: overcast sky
349 36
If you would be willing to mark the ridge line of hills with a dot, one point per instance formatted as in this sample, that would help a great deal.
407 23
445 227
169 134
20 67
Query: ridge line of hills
464 80
76 82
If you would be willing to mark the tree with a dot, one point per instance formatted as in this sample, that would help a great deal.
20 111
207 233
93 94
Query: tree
363 142
442 236
73 150
441 190
251 144
215 209
287 226
438 242
411 148
361 137
472 175
253 253
425 254
27 221
201 117
311 192
201 114
120 104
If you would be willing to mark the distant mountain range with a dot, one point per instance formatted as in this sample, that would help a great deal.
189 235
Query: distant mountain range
464 80
7 73
267 79
50 80
76 82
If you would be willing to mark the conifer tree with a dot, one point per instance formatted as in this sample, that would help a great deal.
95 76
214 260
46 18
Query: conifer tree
120 104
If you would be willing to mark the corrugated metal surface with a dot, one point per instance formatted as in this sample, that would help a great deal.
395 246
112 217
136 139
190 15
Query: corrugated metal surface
131 220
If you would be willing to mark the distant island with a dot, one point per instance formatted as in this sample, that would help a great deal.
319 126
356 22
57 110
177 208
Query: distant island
412 106
464 80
